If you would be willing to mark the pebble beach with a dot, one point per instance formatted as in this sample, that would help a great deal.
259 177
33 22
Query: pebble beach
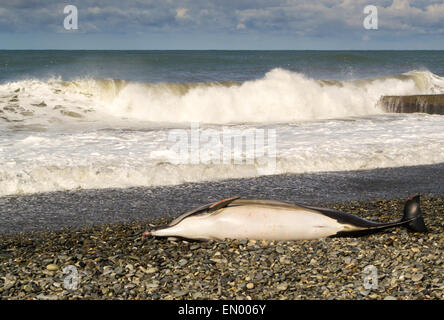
114 261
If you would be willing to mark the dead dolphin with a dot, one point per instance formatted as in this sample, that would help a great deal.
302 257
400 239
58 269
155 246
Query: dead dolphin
236 218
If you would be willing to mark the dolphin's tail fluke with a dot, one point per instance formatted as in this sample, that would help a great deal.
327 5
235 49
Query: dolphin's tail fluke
412 211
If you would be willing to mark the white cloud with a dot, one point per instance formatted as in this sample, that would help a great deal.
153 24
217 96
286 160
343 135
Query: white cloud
400 5
181 13
311 18
95 10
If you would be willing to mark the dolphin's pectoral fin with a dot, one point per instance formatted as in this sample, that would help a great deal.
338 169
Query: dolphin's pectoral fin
179 238
221 204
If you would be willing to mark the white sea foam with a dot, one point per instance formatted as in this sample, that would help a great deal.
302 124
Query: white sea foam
46 161
57 135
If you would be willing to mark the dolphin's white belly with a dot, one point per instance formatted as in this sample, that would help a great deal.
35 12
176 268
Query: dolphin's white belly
256 222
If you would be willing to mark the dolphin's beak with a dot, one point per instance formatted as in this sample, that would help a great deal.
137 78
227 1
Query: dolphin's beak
146 234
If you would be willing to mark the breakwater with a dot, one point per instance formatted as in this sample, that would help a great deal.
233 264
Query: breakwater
432 104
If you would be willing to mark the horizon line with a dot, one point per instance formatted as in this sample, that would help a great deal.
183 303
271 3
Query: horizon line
53 49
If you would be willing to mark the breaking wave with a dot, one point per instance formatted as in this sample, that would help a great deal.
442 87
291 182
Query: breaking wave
281 96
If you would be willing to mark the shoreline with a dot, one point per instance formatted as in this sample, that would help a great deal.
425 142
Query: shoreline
115 262
76 209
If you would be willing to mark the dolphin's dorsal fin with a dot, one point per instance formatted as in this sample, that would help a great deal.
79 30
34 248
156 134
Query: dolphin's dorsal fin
221 204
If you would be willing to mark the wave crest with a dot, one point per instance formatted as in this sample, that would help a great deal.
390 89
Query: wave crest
281 96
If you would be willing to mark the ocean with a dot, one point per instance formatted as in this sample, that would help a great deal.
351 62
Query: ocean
114 119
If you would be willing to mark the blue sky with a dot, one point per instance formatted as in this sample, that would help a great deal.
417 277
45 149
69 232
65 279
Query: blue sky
222 24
